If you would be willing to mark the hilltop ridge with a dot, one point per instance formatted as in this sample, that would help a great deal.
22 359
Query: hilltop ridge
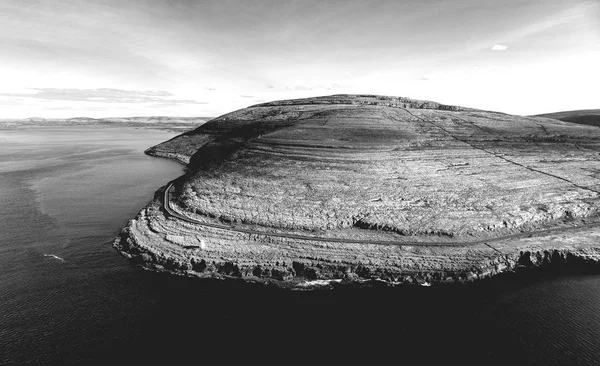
364 99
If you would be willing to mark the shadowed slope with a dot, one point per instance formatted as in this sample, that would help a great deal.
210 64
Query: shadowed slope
590 117
256 120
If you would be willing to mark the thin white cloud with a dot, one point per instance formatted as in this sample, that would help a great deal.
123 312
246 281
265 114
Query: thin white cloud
499 47
314 87
104 95
298 87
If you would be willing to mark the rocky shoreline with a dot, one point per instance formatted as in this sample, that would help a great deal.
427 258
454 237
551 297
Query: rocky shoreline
155 242
383 190
181 159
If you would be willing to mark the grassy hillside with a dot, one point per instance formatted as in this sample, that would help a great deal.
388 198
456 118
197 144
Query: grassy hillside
590 117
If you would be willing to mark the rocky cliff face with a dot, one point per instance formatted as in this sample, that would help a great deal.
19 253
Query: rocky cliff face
352 188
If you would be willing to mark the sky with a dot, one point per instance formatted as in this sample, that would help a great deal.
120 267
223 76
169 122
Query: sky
72 58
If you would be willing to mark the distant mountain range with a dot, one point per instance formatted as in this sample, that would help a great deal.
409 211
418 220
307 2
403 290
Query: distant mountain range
590 117
157 122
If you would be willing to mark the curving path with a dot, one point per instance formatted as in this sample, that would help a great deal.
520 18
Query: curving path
168 210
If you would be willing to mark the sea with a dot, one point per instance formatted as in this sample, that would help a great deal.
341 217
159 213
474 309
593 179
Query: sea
68 298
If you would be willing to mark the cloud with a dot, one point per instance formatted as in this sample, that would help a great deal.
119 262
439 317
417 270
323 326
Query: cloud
12 101
270 87
210 89
348 74
315 87
247 96
104 95
297 87
499 47
334 86
424 78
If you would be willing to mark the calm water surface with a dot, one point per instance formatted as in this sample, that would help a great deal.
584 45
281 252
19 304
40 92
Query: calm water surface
66 297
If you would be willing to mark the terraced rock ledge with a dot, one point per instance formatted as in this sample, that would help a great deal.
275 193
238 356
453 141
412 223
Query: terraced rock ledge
355 188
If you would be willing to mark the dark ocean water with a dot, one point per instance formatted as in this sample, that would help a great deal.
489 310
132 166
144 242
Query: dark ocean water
66 297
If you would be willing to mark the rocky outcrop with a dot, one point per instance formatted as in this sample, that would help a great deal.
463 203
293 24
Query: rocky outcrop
360 188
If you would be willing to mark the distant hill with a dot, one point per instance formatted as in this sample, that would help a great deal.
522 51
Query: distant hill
590 117
178 124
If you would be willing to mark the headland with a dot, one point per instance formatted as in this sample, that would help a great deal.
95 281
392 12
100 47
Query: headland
359 188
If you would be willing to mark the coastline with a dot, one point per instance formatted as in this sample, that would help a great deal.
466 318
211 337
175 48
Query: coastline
349 189
181 159
155 242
